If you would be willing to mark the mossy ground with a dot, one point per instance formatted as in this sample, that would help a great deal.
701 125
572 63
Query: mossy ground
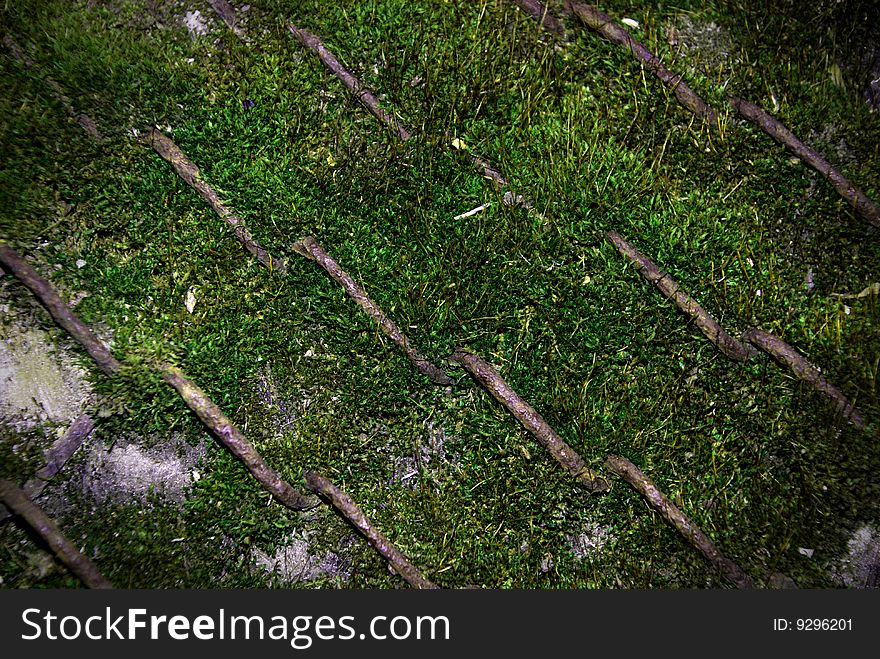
758 460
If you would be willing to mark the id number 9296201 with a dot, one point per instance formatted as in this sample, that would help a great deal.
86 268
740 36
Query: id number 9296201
823 624
813 625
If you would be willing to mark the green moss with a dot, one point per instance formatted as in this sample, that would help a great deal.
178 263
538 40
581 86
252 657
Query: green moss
758 460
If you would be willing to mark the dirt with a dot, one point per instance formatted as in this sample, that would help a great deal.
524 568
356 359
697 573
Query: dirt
429 460
294 562
195 23
705 46
590 541
40 384
130 472
44 387
860 567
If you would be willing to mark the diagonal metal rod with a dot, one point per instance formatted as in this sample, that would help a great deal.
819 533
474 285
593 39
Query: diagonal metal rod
309 248
20 504
231 437
350 510
670 512
605 25
502 392
781 351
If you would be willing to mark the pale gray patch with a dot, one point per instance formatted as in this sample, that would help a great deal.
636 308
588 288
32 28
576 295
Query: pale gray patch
706 46
39 382
779 581
40 563
590 541
831 142
129 472
195 23
283 412
294 562
860 568
808 279
429 458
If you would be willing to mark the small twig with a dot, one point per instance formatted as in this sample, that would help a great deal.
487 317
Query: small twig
471 212
206 410
21 505
371 103
231 437
873 289
813 158
691 532
605 26
189 172
66 446
788 356
706 323
508 197
566 456
56 457
309 248
364 95
45 293
344 504
489 172
61 451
